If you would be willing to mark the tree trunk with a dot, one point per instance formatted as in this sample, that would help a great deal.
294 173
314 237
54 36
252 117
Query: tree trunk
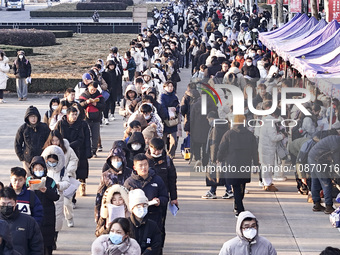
274 14
280 12
314 9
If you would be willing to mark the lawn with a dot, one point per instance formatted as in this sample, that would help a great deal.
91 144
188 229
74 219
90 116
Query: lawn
73 56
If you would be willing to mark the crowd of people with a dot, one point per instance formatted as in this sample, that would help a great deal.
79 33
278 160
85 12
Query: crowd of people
139 180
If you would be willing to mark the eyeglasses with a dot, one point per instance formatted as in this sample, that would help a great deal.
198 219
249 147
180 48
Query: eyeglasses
142 206
247 226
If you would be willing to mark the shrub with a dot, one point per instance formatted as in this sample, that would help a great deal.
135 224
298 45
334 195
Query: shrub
83 14
44 85
11 51
128 2
27 37
101 6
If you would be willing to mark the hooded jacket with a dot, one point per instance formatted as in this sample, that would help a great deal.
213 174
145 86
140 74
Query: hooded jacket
119 144
71 160
189 98
48 114
59 175
169 100
136 137
30 139
241 246
112 176
241 81
126 101
29 241
102 246
47 200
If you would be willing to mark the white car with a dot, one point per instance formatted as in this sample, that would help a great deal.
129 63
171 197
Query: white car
15 5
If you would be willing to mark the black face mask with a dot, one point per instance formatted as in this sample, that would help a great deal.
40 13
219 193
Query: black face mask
6 210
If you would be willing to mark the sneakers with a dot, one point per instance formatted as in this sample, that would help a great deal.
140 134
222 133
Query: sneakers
24 99
209 195
280 179
20 99
112 117
2 101
106 121
270 188
100 149
70 223
228 195
73 205
309 198
329 209
318 207
261 184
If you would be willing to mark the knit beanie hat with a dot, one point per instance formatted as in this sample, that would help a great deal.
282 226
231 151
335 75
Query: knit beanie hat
137 196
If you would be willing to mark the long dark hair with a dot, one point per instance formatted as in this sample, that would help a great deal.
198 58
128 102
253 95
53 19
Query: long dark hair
124 223
60 137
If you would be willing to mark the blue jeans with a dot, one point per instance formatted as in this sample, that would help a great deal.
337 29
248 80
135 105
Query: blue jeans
21 87
322 183
213 188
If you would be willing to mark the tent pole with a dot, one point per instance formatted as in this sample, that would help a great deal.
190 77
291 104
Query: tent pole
293 81
285 69
331 116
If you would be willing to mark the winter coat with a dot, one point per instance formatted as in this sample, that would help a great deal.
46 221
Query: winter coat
4 68
268 141
189 98
111 176
241 82
238 148
59 175
126 102
326 149
29 139
153 186
251 71
112 79
48 113
199 125
147 234
119 144
6 247
131 67
103 246
71 160
47 200
29 241
165 169
93 112
102 215
136 137
239 245
22 68
169 100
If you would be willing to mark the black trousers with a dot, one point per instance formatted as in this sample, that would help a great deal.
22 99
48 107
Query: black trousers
238 197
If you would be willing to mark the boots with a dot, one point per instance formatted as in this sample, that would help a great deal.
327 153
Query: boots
329 209
83 189
54 246
270 188
318 207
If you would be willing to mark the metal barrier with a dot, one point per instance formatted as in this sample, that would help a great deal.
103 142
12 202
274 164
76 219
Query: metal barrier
128 28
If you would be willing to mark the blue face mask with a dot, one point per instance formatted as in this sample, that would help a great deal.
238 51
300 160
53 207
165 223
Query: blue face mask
115 238
52 164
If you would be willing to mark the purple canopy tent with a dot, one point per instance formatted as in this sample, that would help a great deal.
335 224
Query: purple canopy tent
279 29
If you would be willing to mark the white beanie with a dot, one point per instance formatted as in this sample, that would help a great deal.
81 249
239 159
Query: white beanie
137 196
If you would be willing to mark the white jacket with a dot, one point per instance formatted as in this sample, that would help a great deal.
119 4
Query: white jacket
64 182
71 160
4 68
267 141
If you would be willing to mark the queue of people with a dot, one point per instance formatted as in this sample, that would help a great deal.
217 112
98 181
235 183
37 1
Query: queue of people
139 179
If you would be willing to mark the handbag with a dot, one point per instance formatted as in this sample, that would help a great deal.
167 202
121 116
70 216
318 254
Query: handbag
171 122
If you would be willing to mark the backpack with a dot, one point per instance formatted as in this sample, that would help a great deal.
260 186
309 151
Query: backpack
305 149
209 27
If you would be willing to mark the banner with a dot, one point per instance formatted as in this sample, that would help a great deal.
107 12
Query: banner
285 2
271 2
295 5
334 10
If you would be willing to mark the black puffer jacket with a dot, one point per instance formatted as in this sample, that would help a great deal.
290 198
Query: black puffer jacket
165 169
22 68
47 200
6 247
30 139
136 137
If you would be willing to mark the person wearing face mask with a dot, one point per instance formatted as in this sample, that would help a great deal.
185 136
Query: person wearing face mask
118 241
54 103
115 197
55 163
165 168
30 137
145 230
250 70
27 241
22 72
58 114
136 144
47 195
71 163
118 173
28 202
248 240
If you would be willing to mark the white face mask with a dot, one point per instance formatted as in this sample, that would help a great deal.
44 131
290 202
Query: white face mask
136 146
64 111
249 63
39 173
140 212
249 233
155 155
21 56
147 44
54 107
147 117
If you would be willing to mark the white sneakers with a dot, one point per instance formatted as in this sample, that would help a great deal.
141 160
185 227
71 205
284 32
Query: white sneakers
106 122
70 223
